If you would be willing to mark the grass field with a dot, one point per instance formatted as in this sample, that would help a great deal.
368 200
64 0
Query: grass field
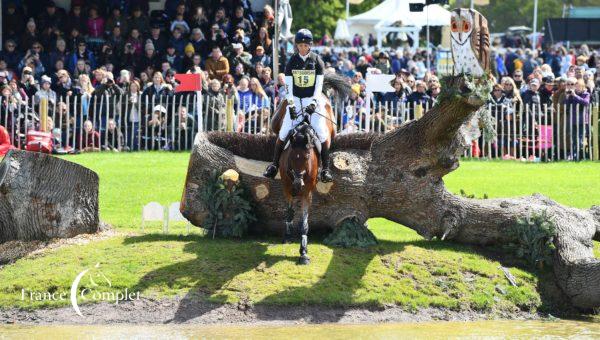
402 269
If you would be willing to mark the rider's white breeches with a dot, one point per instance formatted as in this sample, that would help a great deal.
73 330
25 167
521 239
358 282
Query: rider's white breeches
317 119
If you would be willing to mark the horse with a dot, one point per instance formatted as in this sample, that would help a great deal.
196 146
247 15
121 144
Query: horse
299 162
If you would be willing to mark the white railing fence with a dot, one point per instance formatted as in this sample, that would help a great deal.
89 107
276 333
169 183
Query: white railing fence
137 122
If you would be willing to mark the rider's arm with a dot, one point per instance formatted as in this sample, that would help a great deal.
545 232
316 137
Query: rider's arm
320 68
289 83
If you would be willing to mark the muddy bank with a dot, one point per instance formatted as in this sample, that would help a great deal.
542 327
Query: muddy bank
186 311
13 250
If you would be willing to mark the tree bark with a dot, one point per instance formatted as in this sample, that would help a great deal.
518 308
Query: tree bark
399 176
43 197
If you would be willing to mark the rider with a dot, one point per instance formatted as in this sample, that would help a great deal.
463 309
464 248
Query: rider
304 85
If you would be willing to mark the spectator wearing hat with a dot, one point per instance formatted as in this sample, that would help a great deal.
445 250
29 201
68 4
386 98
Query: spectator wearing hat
531 96
239 56
217 65
150 58
27 82
260 56
156 127
188 57
159 41
547 90
174 60
383 63
81 53
45 92
11 55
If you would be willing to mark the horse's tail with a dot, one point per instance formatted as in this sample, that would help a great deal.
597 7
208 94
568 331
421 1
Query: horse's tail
338 83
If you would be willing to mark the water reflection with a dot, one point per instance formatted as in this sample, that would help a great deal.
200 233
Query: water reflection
511 329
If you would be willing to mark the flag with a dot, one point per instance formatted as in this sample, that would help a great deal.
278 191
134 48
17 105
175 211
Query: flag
188 82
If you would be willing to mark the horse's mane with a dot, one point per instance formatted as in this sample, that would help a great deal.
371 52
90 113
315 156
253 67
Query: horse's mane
338 83
261 147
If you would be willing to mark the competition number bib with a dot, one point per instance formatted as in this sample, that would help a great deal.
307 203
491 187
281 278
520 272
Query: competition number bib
304 78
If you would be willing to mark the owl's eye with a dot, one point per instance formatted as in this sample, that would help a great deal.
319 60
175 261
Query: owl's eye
466 26
454 26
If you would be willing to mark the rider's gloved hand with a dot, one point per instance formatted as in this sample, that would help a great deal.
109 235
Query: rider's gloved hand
310 109
293 113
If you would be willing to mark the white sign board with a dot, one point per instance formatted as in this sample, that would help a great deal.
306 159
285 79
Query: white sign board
380 82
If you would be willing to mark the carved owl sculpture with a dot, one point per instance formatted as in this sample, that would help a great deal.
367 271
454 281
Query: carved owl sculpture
470 42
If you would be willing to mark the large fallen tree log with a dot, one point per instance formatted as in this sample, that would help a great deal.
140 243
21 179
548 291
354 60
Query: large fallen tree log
44 197
399 176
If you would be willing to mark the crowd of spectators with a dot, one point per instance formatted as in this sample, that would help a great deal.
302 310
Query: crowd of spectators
120 47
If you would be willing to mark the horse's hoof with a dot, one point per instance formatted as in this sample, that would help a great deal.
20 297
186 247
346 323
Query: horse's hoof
304 260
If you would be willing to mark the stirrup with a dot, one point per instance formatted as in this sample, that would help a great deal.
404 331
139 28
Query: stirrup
271 171
326 175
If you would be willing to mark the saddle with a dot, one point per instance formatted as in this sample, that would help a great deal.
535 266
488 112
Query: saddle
309 130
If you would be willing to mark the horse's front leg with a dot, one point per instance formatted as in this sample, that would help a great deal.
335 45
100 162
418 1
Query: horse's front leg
304 259
289 222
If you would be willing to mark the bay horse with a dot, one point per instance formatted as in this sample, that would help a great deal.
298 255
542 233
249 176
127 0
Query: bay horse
299 162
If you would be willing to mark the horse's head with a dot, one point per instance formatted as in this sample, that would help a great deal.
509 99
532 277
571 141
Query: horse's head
299 157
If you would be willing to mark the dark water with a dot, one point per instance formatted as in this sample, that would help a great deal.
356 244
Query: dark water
481 329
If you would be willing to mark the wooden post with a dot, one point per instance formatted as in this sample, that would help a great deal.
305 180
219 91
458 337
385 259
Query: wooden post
229 114
44 115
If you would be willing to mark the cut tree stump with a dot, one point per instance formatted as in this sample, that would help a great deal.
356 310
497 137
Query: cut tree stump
398 176
44 197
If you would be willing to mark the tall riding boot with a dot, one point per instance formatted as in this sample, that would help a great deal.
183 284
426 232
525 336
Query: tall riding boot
271 171
326 175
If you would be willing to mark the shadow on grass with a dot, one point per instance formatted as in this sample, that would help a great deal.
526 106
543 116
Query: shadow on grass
219 261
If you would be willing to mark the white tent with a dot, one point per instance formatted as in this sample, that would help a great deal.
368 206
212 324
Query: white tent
341 31
381 18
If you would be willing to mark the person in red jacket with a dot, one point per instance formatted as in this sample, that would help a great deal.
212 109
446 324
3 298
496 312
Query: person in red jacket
5 143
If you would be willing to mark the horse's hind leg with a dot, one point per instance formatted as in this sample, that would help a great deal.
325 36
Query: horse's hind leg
289 222
304 259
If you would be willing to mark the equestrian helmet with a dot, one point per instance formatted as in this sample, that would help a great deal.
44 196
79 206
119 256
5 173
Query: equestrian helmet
303 36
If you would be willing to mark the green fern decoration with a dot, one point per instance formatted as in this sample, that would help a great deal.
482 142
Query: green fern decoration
230 213
535 239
